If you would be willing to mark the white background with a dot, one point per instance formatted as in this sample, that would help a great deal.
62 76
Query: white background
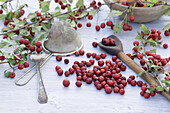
15 99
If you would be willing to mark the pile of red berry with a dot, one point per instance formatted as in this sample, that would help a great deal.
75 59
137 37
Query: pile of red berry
109 42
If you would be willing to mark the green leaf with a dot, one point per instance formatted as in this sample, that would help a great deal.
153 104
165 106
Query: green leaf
44 26
68 8
138 37
42 37
167 12
159 88
118 27
160 43
22 6
12 34
64 1
31 16
153 51
92 12
71 1
56 11
45 6
11 61
117 12
10 15
82 15
144 29
3 44
62 17
139 74
80 3
151 89
6 74
150 4
152 42
24 56
36 29
2 0
2 17
110 15
167 27
73 23
165 6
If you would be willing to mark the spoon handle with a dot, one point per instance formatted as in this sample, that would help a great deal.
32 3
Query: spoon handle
139 70
42 96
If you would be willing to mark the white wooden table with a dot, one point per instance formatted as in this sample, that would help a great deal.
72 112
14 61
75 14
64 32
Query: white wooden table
15 99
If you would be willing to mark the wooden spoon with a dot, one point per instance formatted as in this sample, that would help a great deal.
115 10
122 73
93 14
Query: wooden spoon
118 51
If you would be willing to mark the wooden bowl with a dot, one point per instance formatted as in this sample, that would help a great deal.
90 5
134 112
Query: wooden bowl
142 14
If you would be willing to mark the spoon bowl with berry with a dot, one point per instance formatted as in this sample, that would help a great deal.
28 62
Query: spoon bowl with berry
117 49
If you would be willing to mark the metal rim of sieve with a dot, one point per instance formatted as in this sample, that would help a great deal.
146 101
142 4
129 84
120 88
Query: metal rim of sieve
61 53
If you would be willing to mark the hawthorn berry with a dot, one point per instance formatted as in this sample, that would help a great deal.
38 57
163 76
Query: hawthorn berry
5 36
58 58
32 48
108 90
102 25
12 75
26 64
22 12
66 83
153 30
26 41
76 53
166 33
79 25
90 17
94 44
20 66
57 67
109 23
39 49
38 14
38 44
78 83
132 18
133 82
122 91
146 95
60 72
103 55
105 41
88 24
165 46
97 28
136 43
1 11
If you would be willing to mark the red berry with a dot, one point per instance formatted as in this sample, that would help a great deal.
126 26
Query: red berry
103 55
76 53
38 44
66 61
106 42
100 62
122 91
144 88
88 55
57 67
58 58
165 46
43 18
26 64
78 83
20 66
139 83
1 11
38 14
130 28
116 90
60 2
142 62
133 82
67 73
12 75
60 72
142 93
22 12
97 57
97 28
132 18
39 50
6 22
114 58
108 90
81 52
94 44
26 41
71 70
139 56
102 25
99 3
32 48
146 95
123 67
2 58
166 33
79 25
99 86
66 83
152 93
116 76
132 77
109 23
56 1
21 41
135 43
89 80
90 17
88 24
